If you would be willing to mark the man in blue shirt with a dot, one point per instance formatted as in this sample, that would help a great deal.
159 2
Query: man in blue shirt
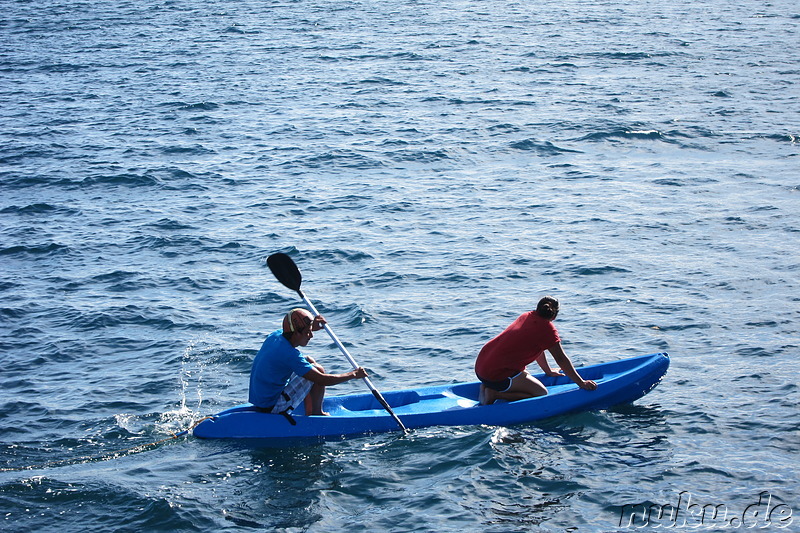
282 377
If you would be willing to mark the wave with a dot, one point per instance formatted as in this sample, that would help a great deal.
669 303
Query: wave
41 249
117 316
418 156
541 148
396 207
630 56
11 312
238 30
40 209
336 256
194 244
383 279
353 315
159 318
633 133
263 299
196 106
592 271
169 224
347 202
62 68
120 281
8 285
122 180
622 56
335 159
381 81
560 65
141 510
196 149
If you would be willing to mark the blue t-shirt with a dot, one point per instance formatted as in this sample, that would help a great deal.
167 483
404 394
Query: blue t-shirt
272 368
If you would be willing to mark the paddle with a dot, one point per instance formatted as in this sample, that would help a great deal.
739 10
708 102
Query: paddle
284 269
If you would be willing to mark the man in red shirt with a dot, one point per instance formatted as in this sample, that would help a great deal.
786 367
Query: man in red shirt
502 361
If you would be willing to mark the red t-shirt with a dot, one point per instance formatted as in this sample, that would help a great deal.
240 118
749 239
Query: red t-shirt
523 342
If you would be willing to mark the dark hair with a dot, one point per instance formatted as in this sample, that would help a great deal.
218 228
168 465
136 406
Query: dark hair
547 308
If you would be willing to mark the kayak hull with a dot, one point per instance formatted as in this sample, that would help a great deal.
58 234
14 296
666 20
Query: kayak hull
619 382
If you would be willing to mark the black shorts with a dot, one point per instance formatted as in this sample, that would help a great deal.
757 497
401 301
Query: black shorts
499 386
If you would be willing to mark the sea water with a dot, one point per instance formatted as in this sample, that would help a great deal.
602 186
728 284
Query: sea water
434 168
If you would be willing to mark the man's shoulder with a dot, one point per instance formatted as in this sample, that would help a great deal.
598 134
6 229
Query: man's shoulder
276 343
276 336
534 321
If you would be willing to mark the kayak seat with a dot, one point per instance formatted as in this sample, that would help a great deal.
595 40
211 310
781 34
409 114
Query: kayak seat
469 391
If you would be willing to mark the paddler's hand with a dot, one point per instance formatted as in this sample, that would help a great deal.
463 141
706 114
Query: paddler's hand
588 385
359 373
318 322
554 373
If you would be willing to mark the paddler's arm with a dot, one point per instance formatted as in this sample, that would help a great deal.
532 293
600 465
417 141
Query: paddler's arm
320 378
542 360
568 368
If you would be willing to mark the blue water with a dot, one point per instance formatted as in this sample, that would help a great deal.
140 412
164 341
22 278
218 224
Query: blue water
434 168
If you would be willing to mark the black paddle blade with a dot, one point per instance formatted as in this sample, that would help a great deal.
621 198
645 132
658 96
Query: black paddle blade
284 269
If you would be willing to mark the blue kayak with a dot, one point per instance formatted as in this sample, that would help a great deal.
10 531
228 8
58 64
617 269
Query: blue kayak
618 382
